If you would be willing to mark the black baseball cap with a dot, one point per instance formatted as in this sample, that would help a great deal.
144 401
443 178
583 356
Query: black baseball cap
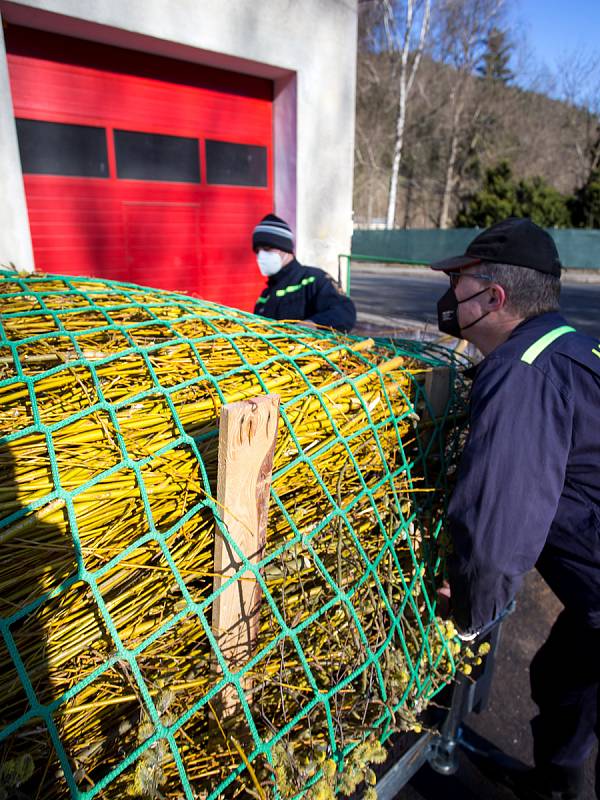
515 241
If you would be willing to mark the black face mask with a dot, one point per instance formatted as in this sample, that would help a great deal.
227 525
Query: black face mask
447 309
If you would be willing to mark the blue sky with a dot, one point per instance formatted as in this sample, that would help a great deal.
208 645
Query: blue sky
557 28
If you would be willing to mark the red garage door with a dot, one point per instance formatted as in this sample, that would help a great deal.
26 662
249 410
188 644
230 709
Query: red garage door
141 168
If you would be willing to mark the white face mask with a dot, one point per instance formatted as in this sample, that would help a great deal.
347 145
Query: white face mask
269 262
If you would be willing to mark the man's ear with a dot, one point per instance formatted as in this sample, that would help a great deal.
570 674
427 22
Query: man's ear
496 298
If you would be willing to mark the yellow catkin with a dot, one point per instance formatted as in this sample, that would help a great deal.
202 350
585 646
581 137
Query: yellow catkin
345 403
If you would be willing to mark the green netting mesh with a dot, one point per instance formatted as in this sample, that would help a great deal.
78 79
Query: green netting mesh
109 398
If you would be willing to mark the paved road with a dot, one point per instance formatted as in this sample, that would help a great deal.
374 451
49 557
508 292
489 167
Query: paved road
393 293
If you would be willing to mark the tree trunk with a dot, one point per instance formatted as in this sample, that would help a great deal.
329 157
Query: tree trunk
400 123
451 164
409 199
405 81
448 183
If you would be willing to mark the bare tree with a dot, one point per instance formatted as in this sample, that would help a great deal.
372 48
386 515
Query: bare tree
456 123
462 28
373 118
579 88
406 29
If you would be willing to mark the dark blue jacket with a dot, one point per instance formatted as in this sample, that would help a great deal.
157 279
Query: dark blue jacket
299 292
528 488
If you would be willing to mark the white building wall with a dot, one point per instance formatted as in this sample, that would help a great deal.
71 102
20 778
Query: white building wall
15 239
308 47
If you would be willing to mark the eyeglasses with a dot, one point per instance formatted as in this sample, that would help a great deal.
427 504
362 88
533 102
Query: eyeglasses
456 276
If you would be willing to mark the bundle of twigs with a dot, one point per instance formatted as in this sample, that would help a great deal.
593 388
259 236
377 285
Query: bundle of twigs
109 403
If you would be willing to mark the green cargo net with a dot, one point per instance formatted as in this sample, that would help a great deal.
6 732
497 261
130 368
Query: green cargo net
110 397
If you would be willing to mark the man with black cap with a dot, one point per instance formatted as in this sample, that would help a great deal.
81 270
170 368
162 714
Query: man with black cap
528 486
293 291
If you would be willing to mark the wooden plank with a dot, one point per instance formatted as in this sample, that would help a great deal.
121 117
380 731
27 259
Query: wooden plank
437 389
247 435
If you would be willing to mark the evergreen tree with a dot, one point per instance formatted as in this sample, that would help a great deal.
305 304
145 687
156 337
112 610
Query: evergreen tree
501 196
496 199
585 205
542 203
495 60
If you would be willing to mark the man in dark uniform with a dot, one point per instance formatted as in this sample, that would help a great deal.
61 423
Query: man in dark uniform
293 291
528 487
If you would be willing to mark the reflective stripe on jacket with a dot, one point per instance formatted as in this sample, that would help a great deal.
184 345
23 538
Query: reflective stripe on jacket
299 292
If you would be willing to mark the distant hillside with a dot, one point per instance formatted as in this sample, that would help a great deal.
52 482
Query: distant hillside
536 135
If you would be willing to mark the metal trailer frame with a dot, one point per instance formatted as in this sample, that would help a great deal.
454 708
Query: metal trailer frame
440 750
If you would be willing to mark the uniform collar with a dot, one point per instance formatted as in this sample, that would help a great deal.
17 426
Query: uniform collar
521 337
285 275
533 328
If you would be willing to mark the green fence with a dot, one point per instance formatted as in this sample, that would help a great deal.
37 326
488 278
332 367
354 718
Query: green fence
578 249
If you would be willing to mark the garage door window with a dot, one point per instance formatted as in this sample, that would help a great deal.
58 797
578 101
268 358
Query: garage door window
157 157
53 148
236 164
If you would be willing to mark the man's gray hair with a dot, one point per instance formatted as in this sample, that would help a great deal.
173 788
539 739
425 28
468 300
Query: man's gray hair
528 291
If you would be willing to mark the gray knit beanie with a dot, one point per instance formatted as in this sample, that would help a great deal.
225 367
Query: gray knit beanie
272 231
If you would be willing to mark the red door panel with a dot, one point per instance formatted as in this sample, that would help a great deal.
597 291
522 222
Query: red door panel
170 233
176 234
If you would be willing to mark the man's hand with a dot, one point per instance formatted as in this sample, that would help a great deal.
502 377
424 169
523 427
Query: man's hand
307 323
443 601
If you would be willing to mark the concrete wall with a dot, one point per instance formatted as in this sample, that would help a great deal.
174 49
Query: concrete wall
307 47
15 239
